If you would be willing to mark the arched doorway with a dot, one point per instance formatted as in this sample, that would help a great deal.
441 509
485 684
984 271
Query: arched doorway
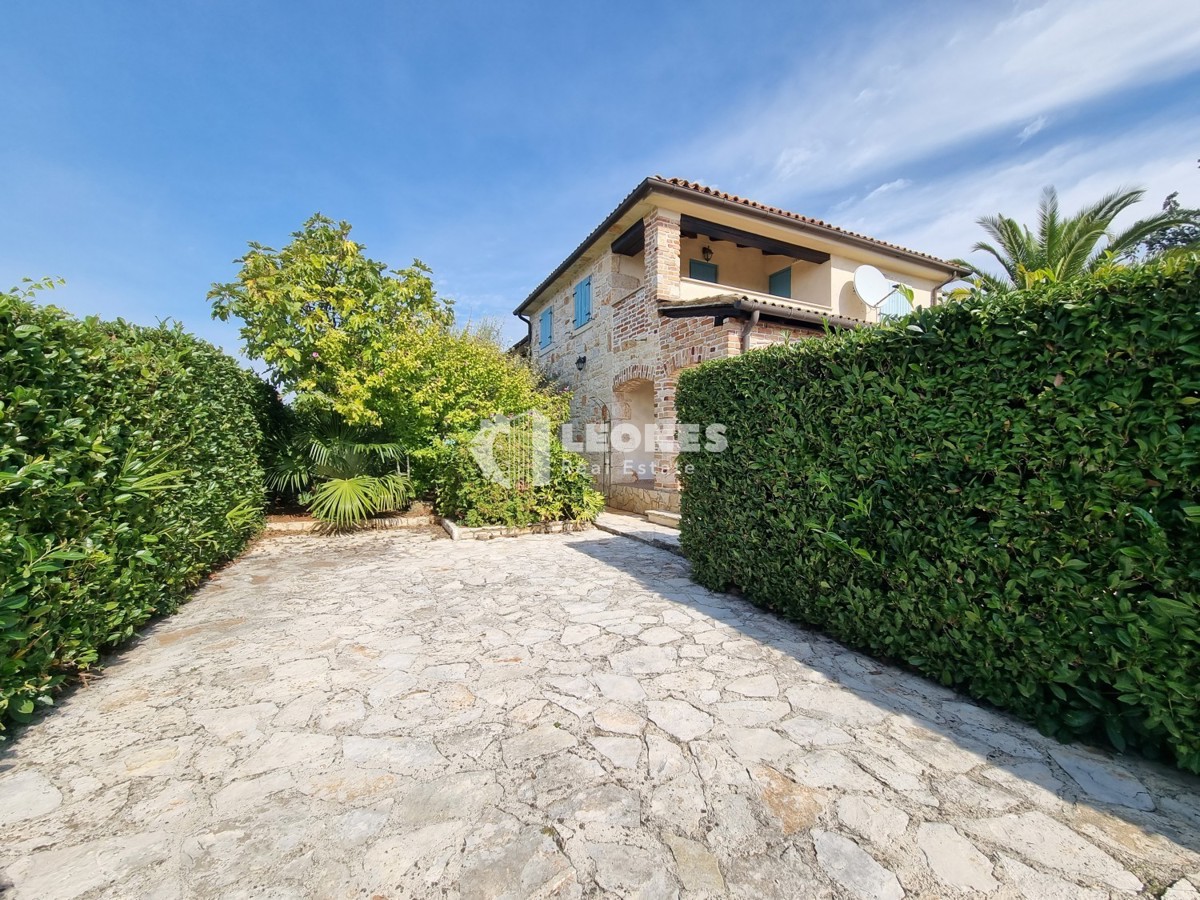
632 453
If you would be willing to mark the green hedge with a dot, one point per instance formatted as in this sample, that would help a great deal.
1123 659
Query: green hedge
465 495
129 467
1002 494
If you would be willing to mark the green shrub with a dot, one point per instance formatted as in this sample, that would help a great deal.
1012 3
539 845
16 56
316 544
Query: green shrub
343 475
464 494
1003 494
129 467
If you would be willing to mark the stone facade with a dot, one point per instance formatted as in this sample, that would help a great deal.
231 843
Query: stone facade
629 350
622 366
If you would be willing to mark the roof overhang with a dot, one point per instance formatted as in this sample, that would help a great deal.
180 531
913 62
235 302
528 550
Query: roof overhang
739 306
630 241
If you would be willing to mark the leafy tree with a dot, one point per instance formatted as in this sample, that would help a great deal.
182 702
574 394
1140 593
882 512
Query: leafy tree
322 315
345 336
443 381
1066 247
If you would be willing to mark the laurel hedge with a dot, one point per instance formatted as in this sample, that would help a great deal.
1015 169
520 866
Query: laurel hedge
1003 494
129 467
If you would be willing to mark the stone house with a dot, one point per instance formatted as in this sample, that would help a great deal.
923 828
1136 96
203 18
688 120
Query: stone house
677 274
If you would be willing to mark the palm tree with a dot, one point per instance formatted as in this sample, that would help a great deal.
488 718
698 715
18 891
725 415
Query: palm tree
343 475
1067 247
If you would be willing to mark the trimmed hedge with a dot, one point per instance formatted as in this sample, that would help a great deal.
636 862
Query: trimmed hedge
466 495
1003 494
129 467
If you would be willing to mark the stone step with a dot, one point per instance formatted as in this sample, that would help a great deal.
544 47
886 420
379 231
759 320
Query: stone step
662 517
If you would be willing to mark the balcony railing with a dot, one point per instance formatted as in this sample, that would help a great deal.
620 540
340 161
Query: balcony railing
695 289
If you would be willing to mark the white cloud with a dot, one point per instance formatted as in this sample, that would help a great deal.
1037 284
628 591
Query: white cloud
791 160
943 81
897 184
1031 129
938 216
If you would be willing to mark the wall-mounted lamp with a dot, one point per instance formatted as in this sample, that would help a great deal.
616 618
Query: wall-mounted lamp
707 254
580 363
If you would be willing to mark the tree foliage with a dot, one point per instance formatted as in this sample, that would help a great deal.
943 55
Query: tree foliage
1181 237
378 371
445 381
341 333
324 317
1064 247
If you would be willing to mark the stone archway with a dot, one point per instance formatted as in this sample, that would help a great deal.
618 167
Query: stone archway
632 372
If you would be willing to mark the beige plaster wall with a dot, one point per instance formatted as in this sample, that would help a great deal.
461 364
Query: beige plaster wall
847 302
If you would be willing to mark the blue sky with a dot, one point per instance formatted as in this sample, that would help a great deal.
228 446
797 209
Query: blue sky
148 142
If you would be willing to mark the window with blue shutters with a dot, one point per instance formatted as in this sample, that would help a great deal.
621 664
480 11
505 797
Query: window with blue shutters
780 284
545 328
583 302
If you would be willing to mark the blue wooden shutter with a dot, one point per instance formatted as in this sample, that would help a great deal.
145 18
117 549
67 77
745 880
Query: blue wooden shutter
544 329
702 271
583 302
780 284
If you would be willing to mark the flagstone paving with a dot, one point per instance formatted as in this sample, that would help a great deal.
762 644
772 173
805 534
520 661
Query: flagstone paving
394 715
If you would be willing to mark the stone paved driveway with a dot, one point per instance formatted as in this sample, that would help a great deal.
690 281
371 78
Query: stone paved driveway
393 715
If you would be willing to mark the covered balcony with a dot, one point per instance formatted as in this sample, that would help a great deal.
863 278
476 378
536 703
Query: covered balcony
712 254
720 261
716 261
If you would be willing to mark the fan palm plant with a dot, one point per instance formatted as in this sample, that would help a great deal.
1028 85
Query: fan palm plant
343 475
1066 247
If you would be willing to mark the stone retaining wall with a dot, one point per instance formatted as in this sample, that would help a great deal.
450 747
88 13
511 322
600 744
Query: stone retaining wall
639 499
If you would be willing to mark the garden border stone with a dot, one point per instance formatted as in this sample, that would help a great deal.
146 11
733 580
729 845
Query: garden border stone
389 522
487 532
